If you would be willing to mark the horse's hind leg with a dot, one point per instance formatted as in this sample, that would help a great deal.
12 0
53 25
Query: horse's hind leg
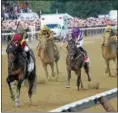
11 91
45 69
31 83
86 68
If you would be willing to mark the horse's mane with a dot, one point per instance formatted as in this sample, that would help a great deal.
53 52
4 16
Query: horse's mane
74 48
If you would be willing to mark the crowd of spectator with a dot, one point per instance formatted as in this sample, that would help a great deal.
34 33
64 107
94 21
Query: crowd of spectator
92 22
89 22
11 10
11 25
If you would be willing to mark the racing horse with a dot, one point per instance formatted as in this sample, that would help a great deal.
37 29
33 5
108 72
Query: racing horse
109 50
18 71
75 62
47 56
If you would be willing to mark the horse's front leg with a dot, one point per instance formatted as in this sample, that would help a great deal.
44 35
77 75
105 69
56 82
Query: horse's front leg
79 80
52 69
17 99
86 68
69 77
45 69
11 91
108 68
57 68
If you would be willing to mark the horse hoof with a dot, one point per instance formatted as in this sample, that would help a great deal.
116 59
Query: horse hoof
17 104
53 75
30 100
82 87
78 89
89 79
13 98
112 76
67 86
58 73
49 78
106 71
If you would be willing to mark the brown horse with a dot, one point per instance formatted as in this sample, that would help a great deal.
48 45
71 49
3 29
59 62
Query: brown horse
75 62
48 56
109 50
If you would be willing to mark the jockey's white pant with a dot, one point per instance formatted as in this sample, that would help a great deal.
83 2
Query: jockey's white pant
31 63
79 43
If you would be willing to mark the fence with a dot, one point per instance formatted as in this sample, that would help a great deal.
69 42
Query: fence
87 102
87 32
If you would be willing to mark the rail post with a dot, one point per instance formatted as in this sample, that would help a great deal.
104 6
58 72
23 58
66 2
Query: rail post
106 105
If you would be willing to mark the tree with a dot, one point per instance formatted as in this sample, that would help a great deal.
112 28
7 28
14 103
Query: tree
76 8
58 5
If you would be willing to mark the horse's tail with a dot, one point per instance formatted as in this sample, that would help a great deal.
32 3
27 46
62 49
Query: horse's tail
34 84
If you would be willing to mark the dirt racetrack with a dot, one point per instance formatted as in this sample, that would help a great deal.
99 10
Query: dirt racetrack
52 94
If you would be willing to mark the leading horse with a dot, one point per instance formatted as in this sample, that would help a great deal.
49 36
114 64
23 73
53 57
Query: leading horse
75 62
18 71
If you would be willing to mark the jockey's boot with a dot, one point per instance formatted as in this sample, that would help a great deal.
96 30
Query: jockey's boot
28 56
85 53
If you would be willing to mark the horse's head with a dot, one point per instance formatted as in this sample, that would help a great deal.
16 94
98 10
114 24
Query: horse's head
44 43
12 52
71 48
106 39
109 40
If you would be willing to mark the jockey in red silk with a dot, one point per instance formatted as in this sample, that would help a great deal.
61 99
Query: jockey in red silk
18 40
77 35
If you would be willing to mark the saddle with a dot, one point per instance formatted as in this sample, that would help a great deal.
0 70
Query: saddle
86 59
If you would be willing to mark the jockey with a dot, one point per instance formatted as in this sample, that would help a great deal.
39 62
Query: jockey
110 30
19 40
77 35
47 33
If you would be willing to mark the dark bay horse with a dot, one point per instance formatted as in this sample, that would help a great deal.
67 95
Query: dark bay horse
75 62
18 71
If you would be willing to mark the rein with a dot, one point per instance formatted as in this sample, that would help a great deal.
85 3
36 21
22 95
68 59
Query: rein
78 56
